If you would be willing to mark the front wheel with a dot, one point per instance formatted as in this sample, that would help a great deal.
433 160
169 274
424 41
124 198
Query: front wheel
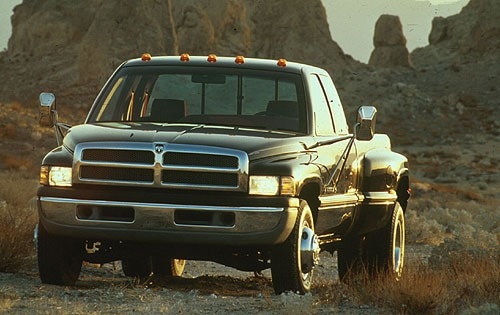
59 258
293 261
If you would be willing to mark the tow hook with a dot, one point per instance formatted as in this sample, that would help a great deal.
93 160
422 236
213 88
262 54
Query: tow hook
92 247
309 250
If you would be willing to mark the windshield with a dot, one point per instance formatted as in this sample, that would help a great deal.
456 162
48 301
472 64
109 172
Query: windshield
242 98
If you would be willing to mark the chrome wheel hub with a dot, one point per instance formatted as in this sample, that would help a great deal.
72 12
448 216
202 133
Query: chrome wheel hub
309 250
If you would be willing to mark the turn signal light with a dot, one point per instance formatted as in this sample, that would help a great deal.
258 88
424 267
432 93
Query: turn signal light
212 58
282 62
146 57
239 60
184 57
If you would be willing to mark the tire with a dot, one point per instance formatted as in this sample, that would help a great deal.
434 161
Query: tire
137 266
349 259
385 248
289 269
59 258
168 267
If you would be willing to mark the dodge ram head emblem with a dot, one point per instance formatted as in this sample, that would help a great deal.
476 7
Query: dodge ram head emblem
159 148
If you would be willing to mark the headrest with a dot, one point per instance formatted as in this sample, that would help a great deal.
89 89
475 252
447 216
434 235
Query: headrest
168 110
283 108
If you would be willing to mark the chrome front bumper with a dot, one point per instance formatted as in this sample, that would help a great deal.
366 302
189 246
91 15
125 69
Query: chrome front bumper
171 223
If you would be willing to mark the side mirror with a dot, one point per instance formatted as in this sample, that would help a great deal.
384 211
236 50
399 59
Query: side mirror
367 116
48 113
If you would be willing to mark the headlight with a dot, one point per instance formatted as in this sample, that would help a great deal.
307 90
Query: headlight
264 185
271 185
55 176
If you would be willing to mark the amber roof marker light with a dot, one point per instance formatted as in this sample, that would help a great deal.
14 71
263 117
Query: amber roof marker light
146 57
239 60
185 57
281 62
212 58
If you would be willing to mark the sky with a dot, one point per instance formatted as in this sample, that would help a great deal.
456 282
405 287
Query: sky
351 22
6 11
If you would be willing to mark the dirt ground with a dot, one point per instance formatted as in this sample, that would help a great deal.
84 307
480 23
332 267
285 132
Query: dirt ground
204 288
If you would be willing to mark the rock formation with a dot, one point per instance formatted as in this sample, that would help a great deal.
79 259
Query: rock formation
390 43
70 48
471 35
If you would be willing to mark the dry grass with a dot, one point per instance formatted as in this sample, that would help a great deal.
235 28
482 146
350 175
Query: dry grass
8 131
465 284
16 162
17 220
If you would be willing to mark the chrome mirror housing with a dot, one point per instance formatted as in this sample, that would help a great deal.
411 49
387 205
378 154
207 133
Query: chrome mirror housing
48 113
365 127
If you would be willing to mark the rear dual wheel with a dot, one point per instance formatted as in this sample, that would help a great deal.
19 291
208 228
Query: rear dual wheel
169 267
381 251
386 247
158 265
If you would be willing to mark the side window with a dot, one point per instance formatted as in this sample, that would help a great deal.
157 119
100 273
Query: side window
322 115
340 123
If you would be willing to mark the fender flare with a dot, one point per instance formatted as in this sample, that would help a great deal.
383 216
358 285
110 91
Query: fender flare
383 170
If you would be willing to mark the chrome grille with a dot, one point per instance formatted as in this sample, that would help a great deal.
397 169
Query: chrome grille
199 178
124 156
209 160
173 165
116 173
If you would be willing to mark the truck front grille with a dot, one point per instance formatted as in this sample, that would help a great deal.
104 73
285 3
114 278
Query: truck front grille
197 178
116 173
123 156
196 159
161 165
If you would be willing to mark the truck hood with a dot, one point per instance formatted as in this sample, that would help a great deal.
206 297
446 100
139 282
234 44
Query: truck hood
256 143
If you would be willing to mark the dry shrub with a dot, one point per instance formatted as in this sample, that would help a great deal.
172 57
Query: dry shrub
16 106
8 131
420 291
18 218
437 213
16 162
7 301
466 284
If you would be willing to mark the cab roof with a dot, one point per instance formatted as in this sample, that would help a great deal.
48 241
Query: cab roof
216 61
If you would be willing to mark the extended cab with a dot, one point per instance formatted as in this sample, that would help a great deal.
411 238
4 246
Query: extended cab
246 162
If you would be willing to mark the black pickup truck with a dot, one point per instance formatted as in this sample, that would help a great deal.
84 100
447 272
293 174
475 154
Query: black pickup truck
245 162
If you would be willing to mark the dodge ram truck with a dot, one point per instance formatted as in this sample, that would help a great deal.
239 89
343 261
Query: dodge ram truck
245 162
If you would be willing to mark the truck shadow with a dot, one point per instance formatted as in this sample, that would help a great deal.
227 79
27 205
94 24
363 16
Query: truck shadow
98 277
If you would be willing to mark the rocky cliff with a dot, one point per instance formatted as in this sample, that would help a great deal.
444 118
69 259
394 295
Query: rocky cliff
71 47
